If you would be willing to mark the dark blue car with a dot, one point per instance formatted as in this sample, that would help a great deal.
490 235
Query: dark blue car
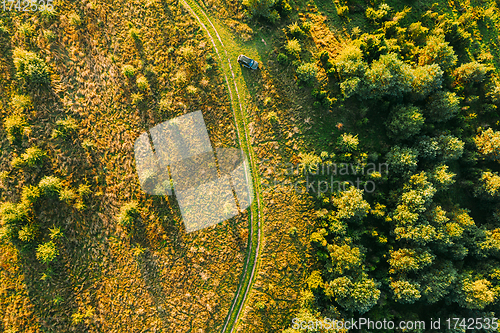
247 62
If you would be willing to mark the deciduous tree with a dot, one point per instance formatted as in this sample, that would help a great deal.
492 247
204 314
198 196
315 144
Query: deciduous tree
358 295
488 144
437 51
404 122
405 291
442 106
350 205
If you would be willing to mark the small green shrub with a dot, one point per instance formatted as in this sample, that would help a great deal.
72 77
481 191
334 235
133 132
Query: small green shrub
191 90
74 19
4 175
17 162
26 30
48 15
55 233
327 102
33 157
31 68
382 14
30 195
306 26
180 78
342 11
260 306
472 72
272 117
404 122
84 191
282 58
348 142
274 16
142 83
293 47
21 102
67 195
324 56
81 315
47 252
128 71
134 34
418 33
64 128
136 98
12 214
283 6
28 232
295 30
307 72
88 144
49 35
128 213
3 30
14 126
187 52
50 186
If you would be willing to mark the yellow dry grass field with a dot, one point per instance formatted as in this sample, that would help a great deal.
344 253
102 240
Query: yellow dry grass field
105 279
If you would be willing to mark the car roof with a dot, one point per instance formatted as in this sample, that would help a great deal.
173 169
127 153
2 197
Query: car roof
245 58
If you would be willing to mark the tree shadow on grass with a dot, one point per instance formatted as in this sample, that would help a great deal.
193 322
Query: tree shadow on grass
50 290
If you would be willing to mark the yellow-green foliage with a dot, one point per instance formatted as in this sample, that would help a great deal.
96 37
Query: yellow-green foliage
33 157
128 71
405 291
342 11
31 68
295 30
67 195
293 47
21 102
488 143
348 142
30 194
142 83
84 191
14 126
28 232
47 252
74 19
191 90
50 186
134 34
477 294
307 72
128 213
12 214
55 233
64 127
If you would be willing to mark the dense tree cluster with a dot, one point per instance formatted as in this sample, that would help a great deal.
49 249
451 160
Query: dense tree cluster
430 236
